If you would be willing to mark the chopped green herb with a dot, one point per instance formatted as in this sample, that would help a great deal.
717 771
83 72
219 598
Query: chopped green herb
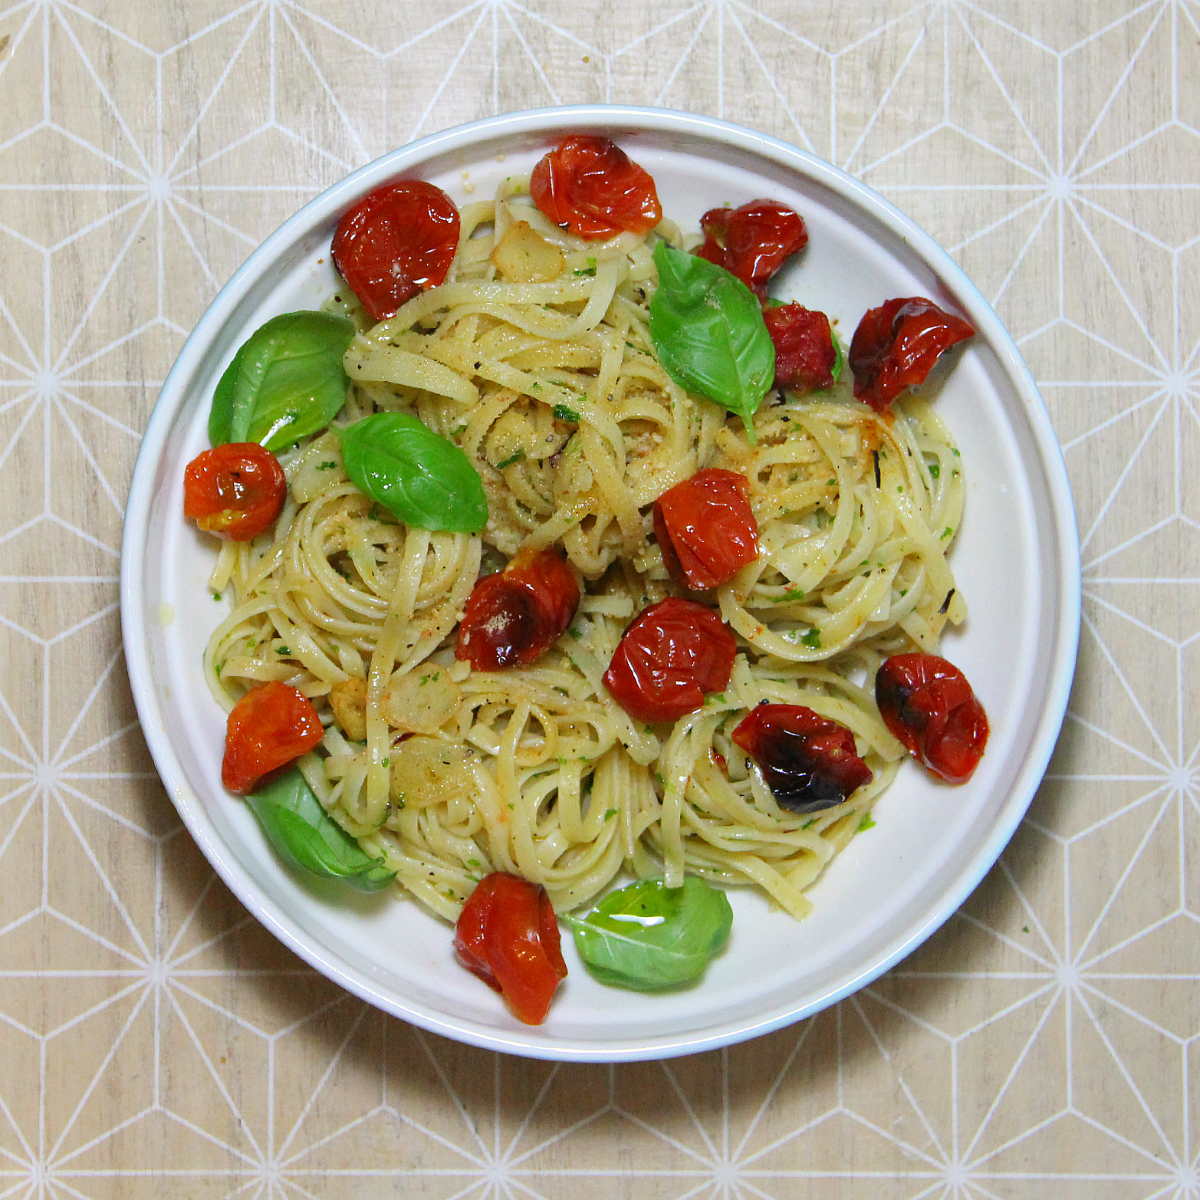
808 823
328 465
935 470
590 269
948 531
563 413
612 812
793 594
512 459
868 822
283 650
812 639
576 632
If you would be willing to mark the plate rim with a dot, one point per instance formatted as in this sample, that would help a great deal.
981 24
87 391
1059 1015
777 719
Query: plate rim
626 119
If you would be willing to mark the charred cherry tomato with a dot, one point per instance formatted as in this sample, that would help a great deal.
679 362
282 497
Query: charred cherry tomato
235 490
705 529
896 345
591 187
395 242
808 761
508 936
512 618
804 351
930 707
752 241
668 658
268 728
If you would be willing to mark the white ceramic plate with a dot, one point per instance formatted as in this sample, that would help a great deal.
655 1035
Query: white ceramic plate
1016 560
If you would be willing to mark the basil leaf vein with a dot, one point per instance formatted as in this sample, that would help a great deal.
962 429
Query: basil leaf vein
647 936
421 478
708 332
306 836
285 382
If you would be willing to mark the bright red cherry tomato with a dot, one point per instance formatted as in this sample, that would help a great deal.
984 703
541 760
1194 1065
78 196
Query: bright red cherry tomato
508 936
235 490
268 728
668 658
705 529
808 761
752 241
513 617
930 707
395 242
804 350
592 188
896 345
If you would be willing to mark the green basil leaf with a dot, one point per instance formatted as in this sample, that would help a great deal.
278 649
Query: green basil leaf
285 382
306 836
420 478
709 334
839 359
647 936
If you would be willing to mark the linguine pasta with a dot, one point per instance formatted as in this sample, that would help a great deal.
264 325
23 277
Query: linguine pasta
534 357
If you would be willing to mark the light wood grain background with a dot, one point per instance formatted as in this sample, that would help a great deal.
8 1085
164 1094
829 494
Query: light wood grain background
155 1042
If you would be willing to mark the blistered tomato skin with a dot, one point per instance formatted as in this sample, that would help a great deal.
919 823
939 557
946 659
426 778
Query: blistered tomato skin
896 346
753 241
809 762
395 242
804 351
513 617
508 936
706 529
235 490
928 705
668 658
269 727
590 187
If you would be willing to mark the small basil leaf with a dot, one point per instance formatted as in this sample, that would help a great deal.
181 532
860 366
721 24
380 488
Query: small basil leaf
709 334
285 382
306 836
647 936
839 359
420 478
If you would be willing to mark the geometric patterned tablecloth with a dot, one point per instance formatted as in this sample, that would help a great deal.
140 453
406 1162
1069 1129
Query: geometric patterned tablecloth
155 1041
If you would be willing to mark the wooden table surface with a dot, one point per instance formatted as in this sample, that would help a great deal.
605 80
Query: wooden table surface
155 1041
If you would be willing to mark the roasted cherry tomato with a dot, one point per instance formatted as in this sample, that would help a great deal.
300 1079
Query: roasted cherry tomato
668 658
235 490
508 936
896 345
752 241
705 529
513 617
592 188
804 350
930 707
808 761
395 242
268 728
